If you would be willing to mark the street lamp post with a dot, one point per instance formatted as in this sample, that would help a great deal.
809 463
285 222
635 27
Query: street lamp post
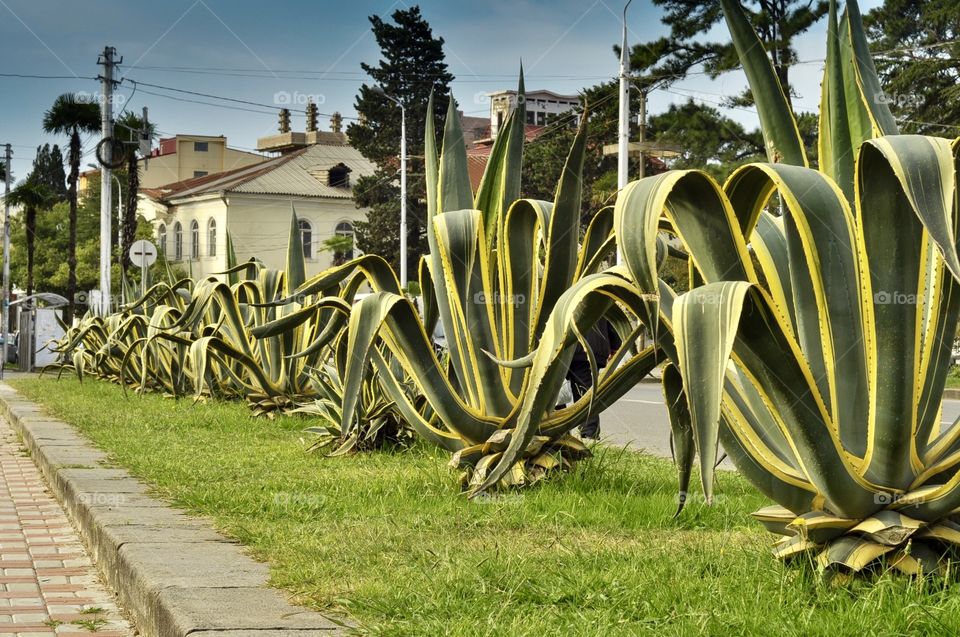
119 207
403 183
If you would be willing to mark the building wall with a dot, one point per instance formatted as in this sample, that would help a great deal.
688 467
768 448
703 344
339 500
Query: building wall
202 211
168 169
159 171
259 226
178 166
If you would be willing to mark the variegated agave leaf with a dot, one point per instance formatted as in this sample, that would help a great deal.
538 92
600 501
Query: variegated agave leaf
513 284
822 374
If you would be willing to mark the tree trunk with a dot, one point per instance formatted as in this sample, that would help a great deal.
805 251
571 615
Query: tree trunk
129 228
72 239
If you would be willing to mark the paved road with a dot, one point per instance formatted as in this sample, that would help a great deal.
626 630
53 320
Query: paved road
639 420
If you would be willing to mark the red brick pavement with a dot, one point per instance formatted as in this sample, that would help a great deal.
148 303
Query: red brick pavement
48 586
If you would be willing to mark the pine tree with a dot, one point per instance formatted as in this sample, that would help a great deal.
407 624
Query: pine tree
411 65
48 171
777 23
918 59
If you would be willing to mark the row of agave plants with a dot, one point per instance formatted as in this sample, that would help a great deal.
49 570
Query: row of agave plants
229 338
813 344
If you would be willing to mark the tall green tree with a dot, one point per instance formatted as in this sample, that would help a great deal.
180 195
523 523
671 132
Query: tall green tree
51 271
545 156
917 45
671 58
48 171
31 195
709 140
706 139
128 129
411 66
71 117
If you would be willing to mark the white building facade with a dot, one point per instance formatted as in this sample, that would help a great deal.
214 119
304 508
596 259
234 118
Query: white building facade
191 218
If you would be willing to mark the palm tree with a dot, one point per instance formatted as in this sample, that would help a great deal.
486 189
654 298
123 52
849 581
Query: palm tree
70 116
33 196
127 130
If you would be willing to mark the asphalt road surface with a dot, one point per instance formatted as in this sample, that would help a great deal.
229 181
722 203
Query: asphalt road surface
639 420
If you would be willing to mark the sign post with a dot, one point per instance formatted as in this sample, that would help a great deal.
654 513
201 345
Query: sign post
144 254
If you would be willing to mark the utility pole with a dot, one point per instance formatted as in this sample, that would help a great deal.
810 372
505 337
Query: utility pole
642 120
8 157
623 132
106 174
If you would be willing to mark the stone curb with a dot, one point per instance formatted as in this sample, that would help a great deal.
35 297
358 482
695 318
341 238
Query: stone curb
172 573
951 394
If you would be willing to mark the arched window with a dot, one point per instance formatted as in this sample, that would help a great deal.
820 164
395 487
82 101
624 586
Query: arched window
194 239
306 236
177 241
212 237
162 239
345 229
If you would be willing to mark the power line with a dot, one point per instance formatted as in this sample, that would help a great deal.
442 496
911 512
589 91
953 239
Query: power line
216 70
919 47
273 107
47 77
914 121
359 77
191 101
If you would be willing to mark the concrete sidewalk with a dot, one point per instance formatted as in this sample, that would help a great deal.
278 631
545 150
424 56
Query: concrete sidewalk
48 585
173 574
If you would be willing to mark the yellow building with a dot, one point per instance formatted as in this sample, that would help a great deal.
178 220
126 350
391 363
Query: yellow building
185 157
253 203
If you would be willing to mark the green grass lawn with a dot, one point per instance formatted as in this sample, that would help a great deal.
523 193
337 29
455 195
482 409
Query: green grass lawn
387 539
953 377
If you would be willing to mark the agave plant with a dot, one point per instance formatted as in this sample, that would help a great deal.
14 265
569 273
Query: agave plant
816 347
515 285
99 346
380 423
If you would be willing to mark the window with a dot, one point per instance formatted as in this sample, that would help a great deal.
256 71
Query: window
530 117
194 239
177 241
162 239
306 235
212 237
541 118
200 147
339 176
200 173
345 229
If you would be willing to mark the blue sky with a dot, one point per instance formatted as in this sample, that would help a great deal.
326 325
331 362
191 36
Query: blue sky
255 51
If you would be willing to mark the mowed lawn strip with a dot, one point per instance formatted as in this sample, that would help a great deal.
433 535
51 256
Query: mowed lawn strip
386 537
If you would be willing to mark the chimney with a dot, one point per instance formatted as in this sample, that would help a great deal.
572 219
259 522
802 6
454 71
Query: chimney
311 116
336 122
284 120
